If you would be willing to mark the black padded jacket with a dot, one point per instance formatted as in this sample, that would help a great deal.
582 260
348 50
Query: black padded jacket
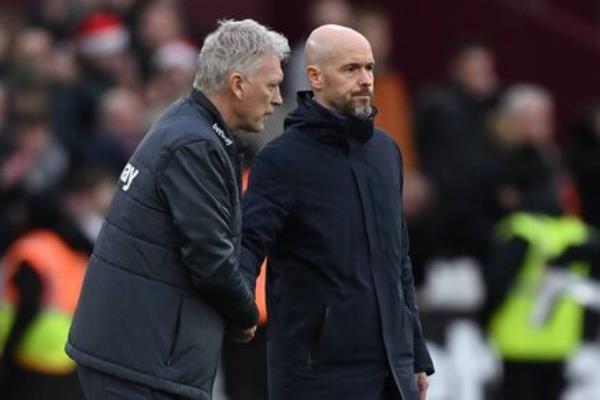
163 283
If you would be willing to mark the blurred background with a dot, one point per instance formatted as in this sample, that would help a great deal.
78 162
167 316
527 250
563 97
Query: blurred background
495 105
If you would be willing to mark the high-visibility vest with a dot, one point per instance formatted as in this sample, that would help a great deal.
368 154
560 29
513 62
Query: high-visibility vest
61 271
512 331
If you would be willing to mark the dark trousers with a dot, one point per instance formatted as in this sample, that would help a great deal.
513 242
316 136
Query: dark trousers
245 367
21 384
100 386
245 371
532 381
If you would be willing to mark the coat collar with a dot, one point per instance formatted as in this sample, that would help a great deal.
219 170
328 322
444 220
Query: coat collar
327 126
218 125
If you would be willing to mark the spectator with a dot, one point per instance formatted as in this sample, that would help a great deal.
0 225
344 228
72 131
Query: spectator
41 276
174 64
454 151
72 106
523 129
532 234
33 48
583 157
159 23
32 161
9 23
55 16
37 160
121 128
102 42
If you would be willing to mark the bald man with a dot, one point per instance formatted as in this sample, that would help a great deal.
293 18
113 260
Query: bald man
324 204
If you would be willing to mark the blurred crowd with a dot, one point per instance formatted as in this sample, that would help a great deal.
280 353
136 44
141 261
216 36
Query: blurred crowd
81 82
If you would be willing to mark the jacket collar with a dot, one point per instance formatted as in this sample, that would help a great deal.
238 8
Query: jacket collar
327 126
230 142
218 125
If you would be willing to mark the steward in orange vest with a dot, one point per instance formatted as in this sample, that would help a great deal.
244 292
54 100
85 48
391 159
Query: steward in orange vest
59 270
40 278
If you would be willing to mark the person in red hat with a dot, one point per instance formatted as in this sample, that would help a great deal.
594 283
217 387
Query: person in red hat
101 41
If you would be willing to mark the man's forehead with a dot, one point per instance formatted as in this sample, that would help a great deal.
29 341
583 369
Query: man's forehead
269 63
352 56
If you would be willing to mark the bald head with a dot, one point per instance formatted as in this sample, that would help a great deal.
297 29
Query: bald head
339 67
328 41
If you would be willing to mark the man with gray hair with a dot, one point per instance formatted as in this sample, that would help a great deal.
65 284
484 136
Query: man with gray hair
163 283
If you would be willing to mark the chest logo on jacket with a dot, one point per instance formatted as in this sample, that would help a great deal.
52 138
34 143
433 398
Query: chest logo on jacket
128 175
222 134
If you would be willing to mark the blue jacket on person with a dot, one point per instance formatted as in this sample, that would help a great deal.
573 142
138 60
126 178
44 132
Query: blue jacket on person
163 282
324 203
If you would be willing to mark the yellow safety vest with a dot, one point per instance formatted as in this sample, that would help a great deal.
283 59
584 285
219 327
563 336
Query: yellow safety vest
61 270
511 329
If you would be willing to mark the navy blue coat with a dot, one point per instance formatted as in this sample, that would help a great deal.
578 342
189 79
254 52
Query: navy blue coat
324 204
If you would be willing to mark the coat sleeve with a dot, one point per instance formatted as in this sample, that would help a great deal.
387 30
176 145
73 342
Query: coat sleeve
422 359
265 207
194 183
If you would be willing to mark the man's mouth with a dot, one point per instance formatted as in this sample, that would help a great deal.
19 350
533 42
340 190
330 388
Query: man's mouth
363 94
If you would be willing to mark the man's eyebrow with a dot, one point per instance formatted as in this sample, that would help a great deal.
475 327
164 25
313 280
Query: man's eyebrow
359 64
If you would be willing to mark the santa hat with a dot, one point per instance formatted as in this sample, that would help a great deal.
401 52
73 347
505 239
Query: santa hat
179 54
101 33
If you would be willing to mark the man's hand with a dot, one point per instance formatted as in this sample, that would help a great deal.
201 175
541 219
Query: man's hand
243 335
422 385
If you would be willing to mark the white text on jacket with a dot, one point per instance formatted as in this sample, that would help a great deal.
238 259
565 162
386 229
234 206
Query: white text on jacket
222 134
128 175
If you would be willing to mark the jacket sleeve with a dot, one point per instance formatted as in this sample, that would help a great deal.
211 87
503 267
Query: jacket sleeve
265 207
194 183
422 360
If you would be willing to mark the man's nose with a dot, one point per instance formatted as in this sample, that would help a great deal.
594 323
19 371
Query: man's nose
365 78
277 100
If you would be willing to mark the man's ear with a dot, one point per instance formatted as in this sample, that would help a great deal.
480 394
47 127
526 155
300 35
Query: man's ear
235 84
315 77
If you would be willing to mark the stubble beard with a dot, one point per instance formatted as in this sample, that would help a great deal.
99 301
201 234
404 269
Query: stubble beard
360 110
363 111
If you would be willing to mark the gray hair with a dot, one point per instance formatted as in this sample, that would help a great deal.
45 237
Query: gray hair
235 46
519 96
